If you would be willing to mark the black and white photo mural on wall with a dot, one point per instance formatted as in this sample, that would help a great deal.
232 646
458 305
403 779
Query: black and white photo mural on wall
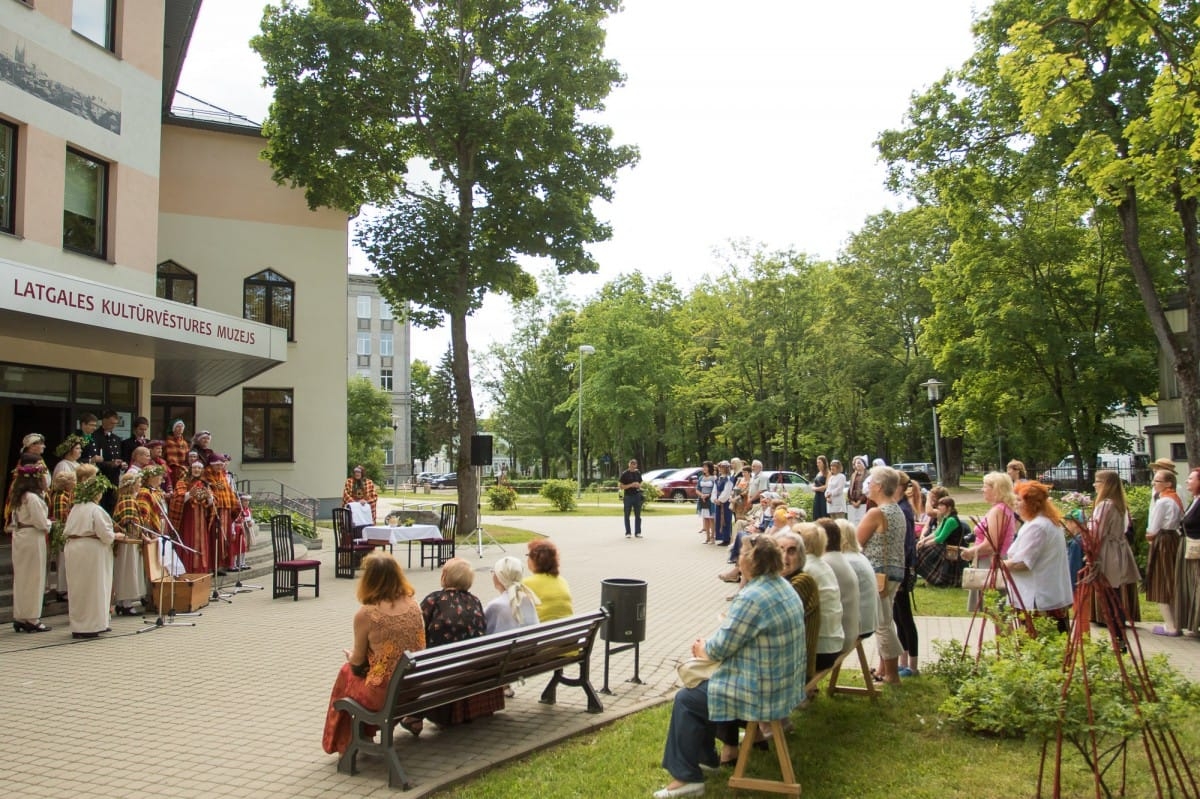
43 74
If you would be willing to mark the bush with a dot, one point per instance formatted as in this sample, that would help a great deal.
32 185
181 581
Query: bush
301 525
501 497
650 492
1139 509
561 493
1015 691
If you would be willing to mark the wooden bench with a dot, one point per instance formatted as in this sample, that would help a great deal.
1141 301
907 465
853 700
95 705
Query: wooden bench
433 677
787 783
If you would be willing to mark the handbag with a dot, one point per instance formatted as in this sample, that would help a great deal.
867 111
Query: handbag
1191 549
975 579
694 671
952 552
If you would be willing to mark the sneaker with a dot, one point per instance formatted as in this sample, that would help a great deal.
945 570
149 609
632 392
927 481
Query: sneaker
627 535
905 672
639 535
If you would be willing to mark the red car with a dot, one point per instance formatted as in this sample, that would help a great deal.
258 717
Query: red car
679 486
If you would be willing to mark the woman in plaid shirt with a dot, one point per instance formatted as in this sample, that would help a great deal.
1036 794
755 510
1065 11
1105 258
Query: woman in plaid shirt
760 646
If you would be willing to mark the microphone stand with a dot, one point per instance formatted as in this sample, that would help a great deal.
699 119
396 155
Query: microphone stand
165 543
214 529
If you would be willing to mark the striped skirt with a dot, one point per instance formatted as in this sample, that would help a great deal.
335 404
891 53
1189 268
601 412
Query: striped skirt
1187 601
1160 567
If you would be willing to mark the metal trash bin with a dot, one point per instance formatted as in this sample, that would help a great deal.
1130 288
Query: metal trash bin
625 600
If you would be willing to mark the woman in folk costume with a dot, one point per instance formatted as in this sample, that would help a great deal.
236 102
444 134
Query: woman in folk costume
175 450
60 500
245 532
29 522
129 571
227 506
90 535
360 489
193 509
152 516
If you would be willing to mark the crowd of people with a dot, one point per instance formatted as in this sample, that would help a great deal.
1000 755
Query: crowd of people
132 493
390 622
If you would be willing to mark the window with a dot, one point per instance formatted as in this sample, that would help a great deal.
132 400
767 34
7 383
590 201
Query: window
364 324
387 456
94 20
365 374
385 311
364 344
385 379
269 297
8 176
364 307
176 283
267 424
1179 452
385 344
85 206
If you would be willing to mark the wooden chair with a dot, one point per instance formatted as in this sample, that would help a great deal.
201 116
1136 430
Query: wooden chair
287 567
786 784
439 550
348 552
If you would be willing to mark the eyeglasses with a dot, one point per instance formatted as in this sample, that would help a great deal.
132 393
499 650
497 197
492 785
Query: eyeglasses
791 549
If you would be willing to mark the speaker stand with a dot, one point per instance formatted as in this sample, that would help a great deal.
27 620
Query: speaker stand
479 531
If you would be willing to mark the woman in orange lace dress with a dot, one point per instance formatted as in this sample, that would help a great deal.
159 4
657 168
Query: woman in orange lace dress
388 624
192 512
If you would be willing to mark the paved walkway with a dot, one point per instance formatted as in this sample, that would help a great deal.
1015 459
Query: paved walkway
234 706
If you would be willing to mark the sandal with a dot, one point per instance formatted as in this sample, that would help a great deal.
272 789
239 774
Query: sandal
413 725
37 628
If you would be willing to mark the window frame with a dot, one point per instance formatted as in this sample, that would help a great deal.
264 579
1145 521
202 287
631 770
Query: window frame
386 380
110 25
387 345
8 219
360 312
363 344
187 276
269 449
101 222
385 311
279 283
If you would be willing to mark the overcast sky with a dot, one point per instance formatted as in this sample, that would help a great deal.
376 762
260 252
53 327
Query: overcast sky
755 121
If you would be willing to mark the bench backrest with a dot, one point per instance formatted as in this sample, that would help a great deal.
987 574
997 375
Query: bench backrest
441 674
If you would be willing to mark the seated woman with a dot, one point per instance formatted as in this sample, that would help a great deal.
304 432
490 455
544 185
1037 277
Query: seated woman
387 624
932 561
760 647
792 547
847 582
516 606
832 637
546 583
864 574
454 614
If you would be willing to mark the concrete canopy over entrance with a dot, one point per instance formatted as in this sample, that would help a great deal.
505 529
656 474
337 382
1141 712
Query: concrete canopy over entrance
196 351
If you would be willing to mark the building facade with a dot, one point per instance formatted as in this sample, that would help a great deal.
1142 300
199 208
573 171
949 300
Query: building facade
150 264
379 350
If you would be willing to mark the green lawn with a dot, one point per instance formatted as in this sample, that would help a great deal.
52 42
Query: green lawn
841 747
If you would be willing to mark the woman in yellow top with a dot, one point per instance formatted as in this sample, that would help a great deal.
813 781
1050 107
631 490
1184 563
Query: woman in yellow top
545 582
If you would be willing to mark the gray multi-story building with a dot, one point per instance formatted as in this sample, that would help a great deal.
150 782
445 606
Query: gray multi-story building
378 348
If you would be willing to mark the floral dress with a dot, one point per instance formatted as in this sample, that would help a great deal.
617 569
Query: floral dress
399 633
452 615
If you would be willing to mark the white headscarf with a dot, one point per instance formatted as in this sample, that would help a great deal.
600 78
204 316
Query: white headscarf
509 572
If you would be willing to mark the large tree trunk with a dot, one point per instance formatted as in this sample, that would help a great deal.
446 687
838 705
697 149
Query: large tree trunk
1181 351
468 483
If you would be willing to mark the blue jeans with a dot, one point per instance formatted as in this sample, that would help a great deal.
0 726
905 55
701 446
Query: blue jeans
633 501
690 736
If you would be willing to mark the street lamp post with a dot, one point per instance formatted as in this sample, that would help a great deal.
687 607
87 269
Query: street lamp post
584 349
933 387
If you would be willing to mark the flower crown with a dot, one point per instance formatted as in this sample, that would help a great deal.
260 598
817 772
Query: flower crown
31 470
91 489
153 470
68 444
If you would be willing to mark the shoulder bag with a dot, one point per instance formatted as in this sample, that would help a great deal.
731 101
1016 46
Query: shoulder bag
694 671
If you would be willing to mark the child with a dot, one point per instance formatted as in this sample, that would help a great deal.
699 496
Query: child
1075 524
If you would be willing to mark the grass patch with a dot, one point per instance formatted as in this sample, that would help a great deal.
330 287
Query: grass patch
844 746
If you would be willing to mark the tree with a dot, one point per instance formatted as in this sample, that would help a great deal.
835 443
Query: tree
368 427
1031 317
421 422
1116 84
491 96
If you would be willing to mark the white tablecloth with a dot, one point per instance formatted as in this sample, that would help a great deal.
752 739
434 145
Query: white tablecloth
395 535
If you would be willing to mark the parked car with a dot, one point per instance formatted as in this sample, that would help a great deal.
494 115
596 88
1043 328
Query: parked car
924 473
426 477
1133 469
792 481
658 474
445 481
679 485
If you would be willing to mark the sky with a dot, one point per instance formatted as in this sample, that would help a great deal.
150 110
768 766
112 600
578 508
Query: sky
755 121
